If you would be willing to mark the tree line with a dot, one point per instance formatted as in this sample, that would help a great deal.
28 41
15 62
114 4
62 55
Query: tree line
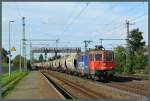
137 60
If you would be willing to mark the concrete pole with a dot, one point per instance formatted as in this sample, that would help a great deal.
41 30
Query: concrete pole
86 44
23 43
9 49
128 32
30 53
101 41
20 57
1 36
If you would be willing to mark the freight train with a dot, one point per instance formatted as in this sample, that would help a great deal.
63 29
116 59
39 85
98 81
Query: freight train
93 63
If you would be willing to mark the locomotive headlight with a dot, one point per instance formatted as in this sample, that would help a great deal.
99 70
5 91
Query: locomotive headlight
104 64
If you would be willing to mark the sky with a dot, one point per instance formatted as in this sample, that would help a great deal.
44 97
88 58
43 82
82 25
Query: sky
72 23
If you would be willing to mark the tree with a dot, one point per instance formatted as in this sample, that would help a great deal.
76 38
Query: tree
4 54
136 55
120 58
140 60
41 58
136 40
16 60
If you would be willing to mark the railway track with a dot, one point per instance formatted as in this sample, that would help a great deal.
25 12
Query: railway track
134 85
72 90
127 83
137 77
81 91
130 87
61 90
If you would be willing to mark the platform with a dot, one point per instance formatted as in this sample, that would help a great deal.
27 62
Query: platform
34 86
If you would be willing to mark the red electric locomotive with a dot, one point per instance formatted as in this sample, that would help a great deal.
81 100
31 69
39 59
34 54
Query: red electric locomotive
100 62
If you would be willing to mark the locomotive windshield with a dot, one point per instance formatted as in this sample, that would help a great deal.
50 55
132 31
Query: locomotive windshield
98 57
109 56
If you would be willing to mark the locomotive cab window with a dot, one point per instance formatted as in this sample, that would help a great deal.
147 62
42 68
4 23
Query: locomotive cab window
91 57
98 57
109 56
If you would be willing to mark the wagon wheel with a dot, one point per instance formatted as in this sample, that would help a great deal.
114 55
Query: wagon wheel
88 76
104 79
92 77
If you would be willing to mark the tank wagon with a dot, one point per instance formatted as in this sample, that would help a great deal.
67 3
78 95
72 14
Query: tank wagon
71 63
92 63
63 65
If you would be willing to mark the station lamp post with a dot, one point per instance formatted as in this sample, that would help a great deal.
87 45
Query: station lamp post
10 47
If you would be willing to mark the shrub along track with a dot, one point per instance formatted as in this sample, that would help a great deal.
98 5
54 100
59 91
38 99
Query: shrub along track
88 89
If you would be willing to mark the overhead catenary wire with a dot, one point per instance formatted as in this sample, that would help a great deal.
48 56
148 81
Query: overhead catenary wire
113 29
141 15
115 19
116 27
138 17
135 20
70 15
18 10
144 8
68 24
74 19
39 31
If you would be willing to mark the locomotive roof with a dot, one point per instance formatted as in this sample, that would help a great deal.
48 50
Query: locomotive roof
93 51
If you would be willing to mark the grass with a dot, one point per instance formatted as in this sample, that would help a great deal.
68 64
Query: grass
4 64
8 83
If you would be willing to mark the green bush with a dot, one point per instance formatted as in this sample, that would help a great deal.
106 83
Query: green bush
6 79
